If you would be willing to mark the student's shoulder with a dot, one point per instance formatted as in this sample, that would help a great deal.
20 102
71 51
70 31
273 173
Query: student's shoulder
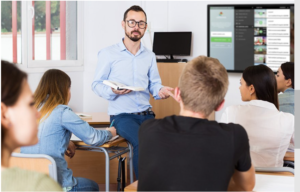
150 123
34 180
62 108
235 129
155 124
42 181
235 108
64 111
287 118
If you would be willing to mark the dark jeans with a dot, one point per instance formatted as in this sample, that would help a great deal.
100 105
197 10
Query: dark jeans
84 184
127 126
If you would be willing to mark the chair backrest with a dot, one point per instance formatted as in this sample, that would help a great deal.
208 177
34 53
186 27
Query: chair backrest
275 170
34 162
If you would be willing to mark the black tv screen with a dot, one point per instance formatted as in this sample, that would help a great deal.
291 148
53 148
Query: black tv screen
172 43
245 35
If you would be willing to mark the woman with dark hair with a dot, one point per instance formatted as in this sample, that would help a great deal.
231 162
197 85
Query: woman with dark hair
285 84
19 128
57 123
269 130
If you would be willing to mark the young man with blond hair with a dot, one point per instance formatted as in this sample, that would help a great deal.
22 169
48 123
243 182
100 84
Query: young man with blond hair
188 152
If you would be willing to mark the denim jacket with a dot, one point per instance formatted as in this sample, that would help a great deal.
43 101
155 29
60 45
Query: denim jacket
54 135
286 101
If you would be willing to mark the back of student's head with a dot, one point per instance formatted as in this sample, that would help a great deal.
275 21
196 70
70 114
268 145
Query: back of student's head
203 84
264 82
288 71
52 90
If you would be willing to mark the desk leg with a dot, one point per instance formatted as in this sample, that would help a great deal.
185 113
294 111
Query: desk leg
106 169
130 162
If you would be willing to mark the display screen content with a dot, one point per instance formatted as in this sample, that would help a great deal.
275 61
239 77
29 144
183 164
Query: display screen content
246 35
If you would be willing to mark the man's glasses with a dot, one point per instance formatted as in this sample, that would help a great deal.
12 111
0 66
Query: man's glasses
132 23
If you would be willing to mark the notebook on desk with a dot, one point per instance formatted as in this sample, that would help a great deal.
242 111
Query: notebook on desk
75 138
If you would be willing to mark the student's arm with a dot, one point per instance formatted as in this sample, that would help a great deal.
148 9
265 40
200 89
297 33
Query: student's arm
242 180
83 130
154 79
101 74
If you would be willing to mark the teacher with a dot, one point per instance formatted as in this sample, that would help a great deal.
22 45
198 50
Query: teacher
132 64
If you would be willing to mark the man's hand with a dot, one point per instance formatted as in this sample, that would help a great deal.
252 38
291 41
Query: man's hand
121 92
70 152
112 130
165 92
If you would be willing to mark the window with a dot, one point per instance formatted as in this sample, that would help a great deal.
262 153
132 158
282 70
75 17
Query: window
53 31
11 38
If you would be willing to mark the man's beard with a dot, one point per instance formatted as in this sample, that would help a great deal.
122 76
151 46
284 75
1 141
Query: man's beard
133 38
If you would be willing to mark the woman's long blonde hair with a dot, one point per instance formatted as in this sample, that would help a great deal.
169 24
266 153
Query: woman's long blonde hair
52 90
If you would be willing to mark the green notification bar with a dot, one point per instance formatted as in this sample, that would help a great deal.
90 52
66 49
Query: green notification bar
221 39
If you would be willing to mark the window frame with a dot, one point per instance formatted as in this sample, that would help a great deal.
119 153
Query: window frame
41 65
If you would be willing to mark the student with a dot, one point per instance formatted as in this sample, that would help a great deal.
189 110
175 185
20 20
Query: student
57 124
19 128
188 152
270 131
285 84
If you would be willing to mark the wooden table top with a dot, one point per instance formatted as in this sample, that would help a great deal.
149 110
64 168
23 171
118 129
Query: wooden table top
132 187
289 156
106 145
98 118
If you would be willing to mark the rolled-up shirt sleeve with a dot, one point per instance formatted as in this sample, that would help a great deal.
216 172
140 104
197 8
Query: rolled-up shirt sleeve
154 79
101 74
83 130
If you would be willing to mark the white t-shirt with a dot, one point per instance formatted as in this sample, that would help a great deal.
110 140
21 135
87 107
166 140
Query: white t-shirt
270 131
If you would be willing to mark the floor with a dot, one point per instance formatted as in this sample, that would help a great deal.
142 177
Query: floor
114 186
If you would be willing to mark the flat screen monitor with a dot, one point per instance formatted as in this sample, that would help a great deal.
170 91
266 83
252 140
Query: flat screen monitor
172 43
246 35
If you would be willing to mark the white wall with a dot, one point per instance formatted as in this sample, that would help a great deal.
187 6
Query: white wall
103 28
76 102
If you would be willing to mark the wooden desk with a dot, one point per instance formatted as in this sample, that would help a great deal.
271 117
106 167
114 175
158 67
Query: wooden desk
276 173
263 183
99 118
101 167
106 145
289 156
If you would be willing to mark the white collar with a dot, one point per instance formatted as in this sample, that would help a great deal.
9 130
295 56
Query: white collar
264 104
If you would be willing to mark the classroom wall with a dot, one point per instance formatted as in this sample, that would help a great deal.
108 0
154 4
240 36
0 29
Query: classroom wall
104 18
102 28
76 102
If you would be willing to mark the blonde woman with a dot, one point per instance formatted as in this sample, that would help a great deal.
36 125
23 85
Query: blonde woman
19 128
57 123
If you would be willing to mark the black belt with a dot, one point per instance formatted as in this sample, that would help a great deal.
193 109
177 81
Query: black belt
147 112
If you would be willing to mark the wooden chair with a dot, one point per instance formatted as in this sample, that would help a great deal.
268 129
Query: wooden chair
34 162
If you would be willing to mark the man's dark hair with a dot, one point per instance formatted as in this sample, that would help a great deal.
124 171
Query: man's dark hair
288 71
134 8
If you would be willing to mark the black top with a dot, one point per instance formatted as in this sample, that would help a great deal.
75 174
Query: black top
180 153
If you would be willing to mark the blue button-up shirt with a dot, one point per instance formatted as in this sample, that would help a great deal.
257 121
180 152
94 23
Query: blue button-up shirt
116 63
54 137
286 101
